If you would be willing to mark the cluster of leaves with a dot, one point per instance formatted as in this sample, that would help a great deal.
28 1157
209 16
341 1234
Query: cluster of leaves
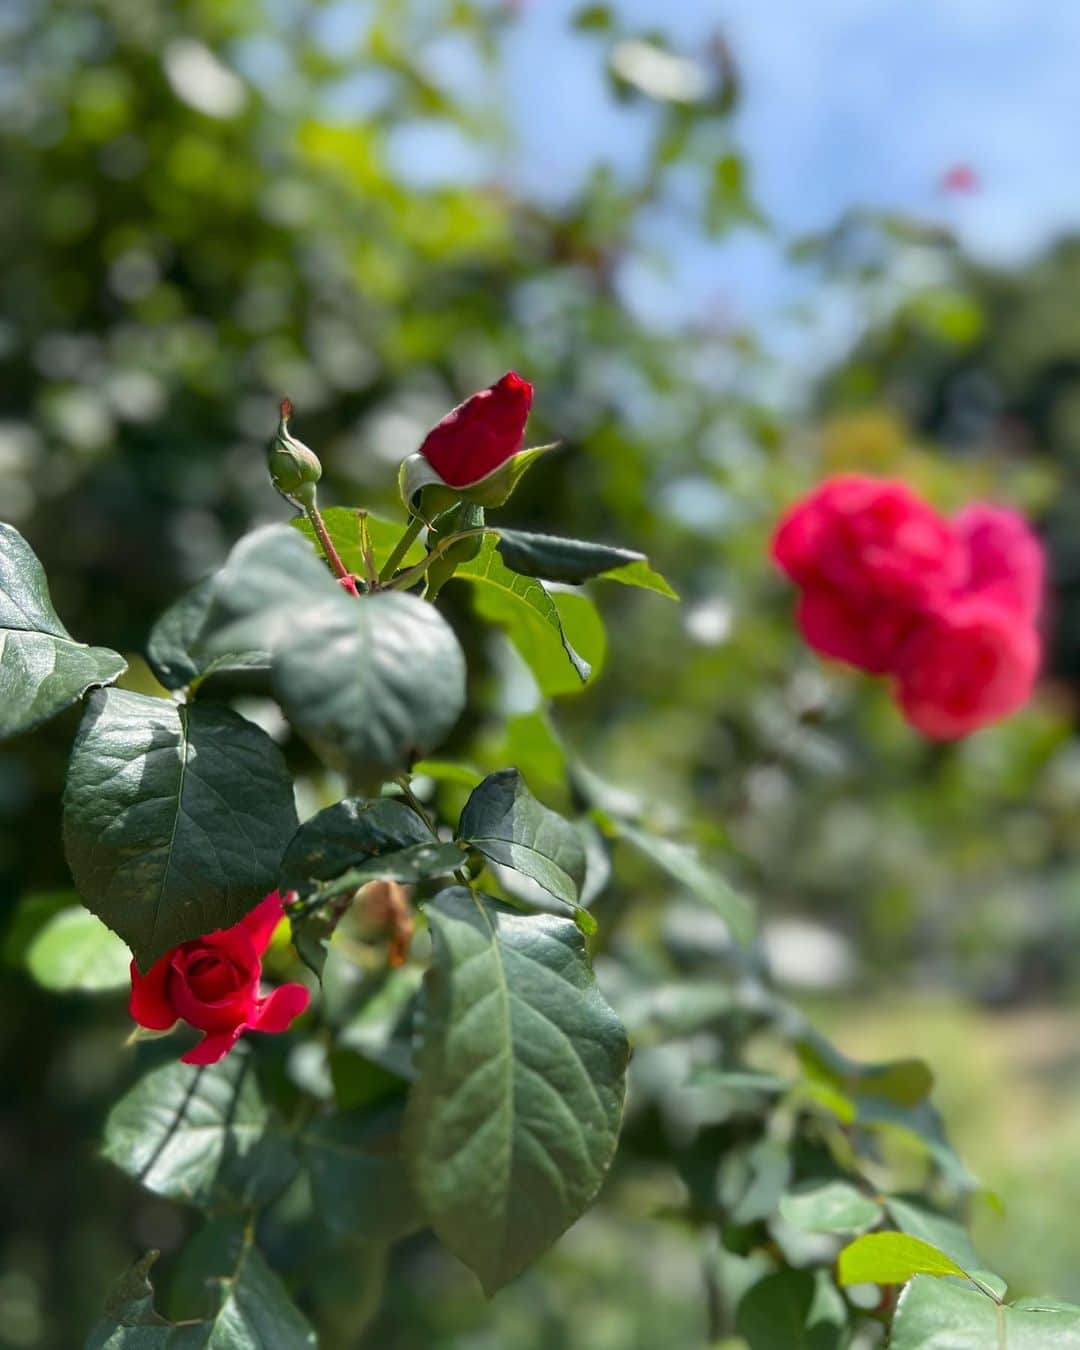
485 1101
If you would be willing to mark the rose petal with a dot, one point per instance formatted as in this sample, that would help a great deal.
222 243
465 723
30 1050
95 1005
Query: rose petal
275 1012
149 1004
260 922
214 1045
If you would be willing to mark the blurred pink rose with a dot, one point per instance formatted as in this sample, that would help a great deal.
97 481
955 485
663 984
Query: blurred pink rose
947 607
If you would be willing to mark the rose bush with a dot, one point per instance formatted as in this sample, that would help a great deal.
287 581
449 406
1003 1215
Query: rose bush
948 608
473 1084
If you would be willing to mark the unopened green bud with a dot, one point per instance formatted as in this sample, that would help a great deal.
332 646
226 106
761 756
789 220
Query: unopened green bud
294 468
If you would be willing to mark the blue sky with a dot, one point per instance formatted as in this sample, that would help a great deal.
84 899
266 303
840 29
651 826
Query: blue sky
846 102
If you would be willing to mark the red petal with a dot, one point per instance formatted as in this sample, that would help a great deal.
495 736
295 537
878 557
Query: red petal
262 920
214 1045
480 434
275 1012
149 1004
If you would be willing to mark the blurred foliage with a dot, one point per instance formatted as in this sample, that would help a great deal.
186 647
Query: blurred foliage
208 204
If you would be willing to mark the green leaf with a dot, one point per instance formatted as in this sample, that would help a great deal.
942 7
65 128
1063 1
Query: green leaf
753 1179
175 818
254 1312
270 580
372 683
343 526
681 862
530 616
349 834
358 1181
892 1258
941 1315
75 950
514 1118
43 670
916 1218
576 560
505 822
202 1134
832 1206
176 649
791 1310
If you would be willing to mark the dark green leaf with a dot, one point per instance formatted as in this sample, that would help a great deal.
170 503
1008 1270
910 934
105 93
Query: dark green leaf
791 1310
892 1258
514 1117
202 1134
681 862
270 580
372 683
832 1206
43 670
254 1313
75 951
176 649
376 835
530 616
175 818
505 822
576 560
359 1184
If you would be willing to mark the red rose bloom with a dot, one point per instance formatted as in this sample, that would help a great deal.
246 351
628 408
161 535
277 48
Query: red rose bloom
870 556
212 983
969 664
948 608
1004 559
480 434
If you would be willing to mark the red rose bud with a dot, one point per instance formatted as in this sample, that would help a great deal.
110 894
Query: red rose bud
212 983
481 434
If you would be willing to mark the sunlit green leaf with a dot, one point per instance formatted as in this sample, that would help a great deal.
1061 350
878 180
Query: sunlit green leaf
43 670
175 818
75 951
514 1117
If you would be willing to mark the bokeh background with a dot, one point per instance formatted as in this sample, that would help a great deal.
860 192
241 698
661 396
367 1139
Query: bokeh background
736 247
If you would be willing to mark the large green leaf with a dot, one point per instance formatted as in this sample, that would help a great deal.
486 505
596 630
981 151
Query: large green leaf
681 862
43 670
505 822
177 650
255 1312
358 1181
514 1117
576 560
791 1310
175 818
372 683
75 951
943 1315
202 1134
530 616
343 526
